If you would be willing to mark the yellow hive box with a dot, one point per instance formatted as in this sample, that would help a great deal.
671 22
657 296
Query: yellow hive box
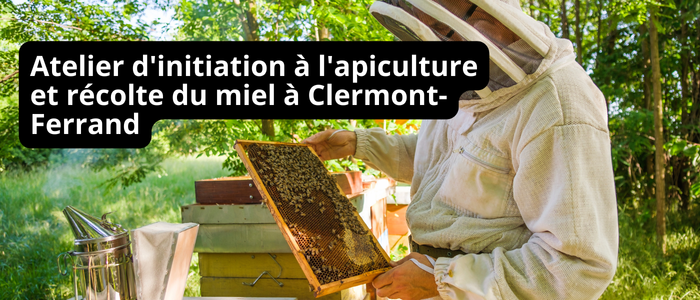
231 274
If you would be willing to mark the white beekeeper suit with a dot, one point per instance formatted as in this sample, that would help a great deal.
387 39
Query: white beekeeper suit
521 179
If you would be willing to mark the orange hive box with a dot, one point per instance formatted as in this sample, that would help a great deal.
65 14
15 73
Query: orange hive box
328 238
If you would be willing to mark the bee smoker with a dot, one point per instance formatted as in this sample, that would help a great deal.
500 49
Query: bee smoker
101 258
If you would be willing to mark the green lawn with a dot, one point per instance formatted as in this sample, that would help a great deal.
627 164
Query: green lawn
34 231
643 272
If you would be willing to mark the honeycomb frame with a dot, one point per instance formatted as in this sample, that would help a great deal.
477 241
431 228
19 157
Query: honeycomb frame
298 237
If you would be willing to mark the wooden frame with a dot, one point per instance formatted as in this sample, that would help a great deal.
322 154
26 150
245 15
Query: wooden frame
318 289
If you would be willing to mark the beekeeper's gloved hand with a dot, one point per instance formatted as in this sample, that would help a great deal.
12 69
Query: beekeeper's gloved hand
333 143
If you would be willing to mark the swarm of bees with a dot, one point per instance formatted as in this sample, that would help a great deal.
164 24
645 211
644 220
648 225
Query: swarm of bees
318 215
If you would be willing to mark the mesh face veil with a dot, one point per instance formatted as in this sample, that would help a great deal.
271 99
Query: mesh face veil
513 53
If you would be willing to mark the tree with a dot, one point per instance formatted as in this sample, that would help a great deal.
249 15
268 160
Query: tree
564 20
212 20
660 156
45 20
268 127
578 31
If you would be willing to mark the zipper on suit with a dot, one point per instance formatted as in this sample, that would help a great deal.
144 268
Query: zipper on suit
479 161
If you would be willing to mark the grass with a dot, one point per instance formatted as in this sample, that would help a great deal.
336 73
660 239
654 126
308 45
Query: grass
33 230
643 271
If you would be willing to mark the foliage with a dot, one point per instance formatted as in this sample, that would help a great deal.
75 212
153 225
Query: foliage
282 20
45 20
12 154
199 20
399 252
615 51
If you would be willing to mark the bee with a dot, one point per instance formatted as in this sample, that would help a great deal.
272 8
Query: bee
333 230
303 214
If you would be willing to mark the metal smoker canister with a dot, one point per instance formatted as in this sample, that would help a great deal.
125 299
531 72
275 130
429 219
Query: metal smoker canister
102 263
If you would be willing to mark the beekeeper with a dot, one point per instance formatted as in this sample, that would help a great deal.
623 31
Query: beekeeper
514 197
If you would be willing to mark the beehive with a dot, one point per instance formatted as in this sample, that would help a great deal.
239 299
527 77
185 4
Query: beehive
227 190
333 246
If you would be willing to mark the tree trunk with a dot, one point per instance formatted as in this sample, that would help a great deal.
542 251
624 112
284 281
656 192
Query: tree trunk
646 64
323 33
660 167
547 17
250 26
249 23
315 23
695 86
611 42
598 33
690 92
268 127
564 21
650 170
579 32
646 80
683 180
611 39
685 61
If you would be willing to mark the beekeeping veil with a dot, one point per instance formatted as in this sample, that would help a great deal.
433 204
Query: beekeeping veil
518 45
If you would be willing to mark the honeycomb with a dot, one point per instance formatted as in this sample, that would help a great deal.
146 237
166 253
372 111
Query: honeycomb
321 219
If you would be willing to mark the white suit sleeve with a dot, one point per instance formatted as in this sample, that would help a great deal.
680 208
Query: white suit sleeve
391 154
565 191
